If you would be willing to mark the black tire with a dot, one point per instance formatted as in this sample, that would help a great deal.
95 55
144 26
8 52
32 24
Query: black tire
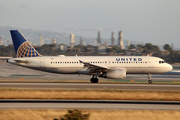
96 80
150 81
92 80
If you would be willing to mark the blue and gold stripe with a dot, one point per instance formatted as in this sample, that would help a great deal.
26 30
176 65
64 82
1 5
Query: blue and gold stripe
27 50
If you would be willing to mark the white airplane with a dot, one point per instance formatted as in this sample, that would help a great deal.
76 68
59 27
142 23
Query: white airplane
112 67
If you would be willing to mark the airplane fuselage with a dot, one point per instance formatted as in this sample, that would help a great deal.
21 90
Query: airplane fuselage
72 64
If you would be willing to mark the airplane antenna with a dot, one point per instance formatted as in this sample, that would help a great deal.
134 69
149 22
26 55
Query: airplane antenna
76 54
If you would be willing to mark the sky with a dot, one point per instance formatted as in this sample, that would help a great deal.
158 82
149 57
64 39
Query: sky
148 21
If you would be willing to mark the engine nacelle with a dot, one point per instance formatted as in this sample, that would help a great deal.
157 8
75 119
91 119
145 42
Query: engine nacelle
115 74
84 71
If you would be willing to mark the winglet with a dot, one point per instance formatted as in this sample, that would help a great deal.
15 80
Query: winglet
80 61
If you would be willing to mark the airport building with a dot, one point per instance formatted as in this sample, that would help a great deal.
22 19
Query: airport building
128 44
98 38
120 40
112 39
54 41
81 41
62 47
41 40
72 40
102 48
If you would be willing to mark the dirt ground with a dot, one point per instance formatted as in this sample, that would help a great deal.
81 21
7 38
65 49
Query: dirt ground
50 114
90 94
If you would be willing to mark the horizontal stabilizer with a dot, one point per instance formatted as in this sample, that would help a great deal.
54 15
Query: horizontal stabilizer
22 61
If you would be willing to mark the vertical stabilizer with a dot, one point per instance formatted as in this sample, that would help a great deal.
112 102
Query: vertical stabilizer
22 47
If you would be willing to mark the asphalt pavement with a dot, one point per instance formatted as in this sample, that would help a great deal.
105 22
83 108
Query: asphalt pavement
88 104
90 86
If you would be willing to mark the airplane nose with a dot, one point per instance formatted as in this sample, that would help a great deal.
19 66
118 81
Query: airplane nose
170 67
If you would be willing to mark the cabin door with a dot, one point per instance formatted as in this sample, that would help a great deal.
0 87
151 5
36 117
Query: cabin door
42 62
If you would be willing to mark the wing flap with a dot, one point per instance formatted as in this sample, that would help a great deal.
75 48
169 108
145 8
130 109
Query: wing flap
94 67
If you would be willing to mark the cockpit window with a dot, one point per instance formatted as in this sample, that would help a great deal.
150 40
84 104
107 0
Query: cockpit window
162 62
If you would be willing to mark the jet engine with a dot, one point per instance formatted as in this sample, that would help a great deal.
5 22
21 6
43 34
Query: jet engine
115 74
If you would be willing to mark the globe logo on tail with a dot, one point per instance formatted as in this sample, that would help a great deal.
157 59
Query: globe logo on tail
27 50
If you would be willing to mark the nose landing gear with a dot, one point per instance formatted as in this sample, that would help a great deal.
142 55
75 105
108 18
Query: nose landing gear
149 77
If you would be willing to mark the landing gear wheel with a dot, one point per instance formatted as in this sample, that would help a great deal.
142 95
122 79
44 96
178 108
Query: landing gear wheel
149 81
149 77
94 80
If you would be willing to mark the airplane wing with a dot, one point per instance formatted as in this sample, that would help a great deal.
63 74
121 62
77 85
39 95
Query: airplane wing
94 67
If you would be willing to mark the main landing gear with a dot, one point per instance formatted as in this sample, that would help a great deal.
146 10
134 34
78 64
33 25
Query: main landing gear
94 80
149 77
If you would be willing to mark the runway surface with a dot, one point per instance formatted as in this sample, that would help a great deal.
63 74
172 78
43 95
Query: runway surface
90 86
88 104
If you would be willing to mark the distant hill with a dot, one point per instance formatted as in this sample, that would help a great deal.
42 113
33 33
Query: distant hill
33 36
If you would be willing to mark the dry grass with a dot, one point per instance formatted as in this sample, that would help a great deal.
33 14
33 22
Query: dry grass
95 114
90 95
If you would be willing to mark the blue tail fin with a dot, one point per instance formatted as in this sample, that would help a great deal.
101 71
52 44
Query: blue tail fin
22 47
